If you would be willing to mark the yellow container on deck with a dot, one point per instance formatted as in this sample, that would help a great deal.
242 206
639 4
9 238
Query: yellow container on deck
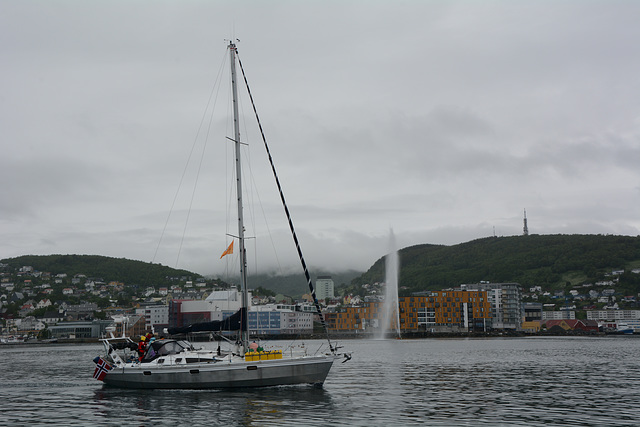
263 355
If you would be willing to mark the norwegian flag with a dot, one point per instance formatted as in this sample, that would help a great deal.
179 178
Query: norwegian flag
102 367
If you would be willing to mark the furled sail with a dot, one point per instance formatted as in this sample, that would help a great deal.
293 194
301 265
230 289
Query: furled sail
235 322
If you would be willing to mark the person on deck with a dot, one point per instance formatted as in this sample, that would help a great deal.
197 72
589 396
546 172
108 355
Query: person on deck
142 347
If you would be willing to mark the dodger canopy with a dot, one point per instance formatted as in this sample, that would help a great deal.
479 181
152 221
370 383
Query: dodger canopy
164 348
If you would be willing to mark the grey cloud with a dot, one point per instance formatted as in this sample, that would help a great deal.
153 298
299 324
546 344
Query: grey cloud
439 120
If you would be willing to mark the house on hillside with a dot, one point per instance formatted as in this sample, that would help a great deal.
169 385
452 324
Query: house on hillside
16 297
26 309
51 318
44 303
29 324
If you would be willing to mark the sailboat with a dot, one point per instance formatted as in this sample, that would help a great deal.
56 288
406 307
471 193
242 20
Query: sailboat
172 363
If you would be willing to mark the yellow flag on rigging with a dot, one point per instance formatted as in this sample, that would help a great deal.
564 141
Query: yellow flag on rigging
228 251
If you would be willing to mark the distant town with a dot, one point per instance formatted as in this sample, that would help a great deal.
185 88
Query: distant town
37 305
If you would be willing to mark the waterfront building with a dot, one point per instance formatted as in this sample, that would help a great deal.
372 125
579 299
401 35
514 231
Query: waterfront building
217 306
441 311
506 303
613 315
532 311
93 329
612 318
532 316
324 288
51 317
446 311
261 319
366 316
558 315
281 319
156 317
81 311
29 325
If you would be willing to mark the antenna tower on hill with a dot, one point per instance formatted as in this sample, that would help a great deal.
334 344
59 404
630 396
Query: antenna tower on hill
525 229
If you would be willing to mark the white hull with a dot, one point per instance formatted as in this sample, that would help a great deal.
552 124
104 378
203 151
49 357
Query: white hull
223 374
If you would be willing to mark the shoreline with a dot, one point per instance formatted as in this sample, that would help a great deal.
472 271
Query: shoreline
347 336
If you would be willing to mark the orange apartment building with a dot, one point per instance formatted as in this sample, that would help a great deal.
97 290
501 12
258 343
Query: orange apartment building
441 311
365 317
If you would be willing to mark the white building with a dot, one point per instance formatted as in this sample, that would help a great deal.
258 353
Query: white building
227 300
602 315
558 315
506 303
156 317
29 323
261 319
218 305
324 288
281 319
44 303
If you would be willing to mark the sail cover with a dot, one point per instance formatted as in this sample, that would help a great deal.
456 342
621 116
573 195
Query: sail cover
235 322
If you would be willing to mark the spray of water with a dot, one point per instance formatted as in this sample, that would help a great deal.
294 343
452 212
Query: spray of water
391 319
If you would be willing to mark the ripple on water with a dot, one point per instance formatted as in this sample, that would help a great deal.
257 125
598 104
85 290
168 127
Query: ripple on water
488 382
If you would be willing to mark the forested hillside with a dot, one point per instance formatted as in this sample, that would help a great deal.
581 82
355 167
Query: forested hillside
551 261
113 269
141 273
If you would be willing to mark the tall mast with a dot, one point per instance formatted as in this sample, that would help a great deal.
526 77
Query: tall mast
243 258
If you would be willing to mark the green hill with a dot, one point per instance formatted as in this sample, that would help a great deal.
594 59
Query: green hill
550 261
112 269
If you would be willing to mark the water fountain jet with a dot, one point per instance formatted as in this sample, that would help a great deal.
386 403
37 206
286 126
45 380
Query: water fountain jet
391 318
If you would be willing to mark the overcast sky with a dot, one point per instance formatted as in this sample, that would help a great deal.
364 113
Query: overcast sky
439 120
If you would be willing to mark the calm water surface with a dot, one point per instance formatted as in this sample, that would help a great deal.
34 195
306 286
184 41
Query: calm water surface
511 381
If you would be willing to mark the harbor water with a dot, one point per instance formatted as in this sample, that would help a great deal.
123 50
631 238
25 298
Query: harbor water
565 381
